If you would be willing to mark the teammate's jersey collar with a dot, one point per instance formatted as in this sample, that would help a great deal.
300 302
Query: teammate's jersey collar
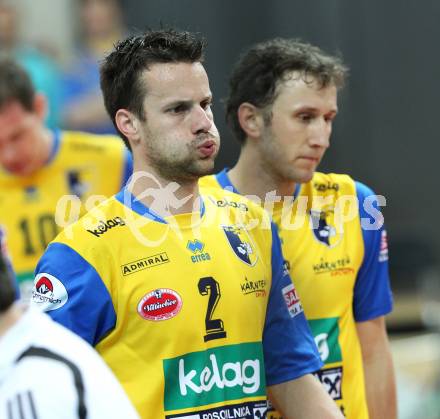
126 198
55 146
225 182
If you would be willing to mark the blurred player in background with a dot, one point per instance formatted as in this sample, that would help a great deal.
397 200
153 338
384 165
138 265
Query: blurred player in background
38 167
179 297
100 26
281 106
47 372
38 62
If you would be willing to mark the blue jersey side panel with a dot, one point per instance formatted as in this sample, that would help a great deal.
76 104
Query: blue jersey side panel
372 292
289 348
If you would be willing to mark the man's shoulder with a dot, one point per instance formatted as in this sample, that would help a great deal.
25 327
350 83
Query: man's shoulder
52 362
94 225
86 143
325 183
53 338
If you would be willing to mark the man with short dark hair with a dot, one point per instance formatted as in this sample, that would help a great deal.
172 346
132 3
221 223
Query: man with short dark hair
39 167
185 300
46 371
281 106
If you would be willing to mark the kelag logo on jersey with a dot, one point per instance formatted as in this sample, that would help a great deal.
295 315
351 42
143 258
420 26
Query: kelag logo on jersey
220 374
326 186
103 226
223 203
196 247
241 243
323 226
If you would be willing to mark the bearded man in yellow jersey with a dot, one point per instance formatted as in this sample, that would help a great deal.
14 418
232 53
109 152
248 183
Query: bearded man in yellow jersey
42 168
184 299
281 106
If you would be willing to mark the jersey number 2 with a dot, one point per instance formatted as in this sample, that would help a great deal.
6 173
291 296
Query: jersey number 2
214 327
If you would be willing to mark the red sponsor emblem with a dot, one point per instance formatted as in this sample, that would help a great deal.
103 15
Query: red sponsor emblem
160 304
44 285
292 300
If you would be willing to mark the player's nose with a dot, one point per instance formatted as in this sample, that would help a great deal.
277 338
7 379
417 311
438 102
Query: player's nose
320 134
201 120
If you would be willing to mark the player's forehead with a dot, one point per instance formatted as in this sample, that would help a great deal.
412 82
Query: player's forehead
176 81
301 89
13 112
13 118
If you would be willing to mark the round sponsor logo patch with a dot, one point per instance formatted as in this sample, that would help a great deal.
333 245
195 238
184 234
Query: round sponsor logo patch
160 304
49 293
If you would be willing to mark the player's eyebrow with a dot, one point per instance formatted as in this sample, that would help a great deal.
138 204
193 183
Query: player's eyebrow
187 102
179 102
313 109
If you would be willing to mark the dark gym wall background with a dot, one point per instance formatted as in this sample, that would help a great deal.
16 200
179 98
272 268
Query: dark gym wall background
387 131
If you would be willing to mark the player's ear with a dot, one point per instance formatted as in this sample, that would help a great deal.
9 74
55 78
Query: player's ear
40 106
128 124
251 119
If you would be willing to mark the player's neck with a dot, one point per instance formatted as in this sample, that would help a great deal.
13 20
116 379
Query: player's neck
250 176
10 318
167 197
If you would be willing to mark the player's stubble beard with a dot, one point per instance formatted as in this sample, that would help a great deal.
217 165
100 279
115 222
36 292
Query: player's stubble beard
273 159
174 165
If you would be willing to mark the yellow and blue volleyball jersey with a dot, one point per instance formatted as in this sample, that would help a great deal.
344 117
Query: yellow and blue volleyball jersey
194 313
340 270
80 166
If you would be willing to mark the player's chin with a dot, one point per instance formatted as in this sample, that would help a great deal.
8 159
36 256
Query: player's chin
202 168
301 176
207 163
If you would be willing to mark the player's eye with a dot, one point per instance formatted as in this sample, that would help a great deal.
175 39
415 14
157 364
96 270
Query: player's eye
206 104
179 108
306 117
329 118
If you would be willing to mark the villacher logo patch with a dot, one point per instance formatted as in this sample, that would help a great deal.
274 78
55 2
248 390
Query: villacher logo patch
160 304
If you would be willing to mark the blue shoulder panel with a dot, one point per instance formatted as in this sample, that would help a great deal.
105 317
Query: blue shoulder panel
372 291
289 348
89 310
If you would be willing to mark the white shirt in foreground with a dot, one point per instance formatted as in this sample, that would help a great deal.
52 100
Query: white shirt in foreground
61 378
